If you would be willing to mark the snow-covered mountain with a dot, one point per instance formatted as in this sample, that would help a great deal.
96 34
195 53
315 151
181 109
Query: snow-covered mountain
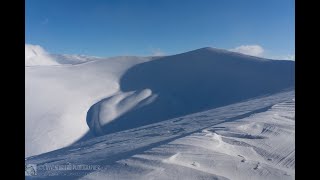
186 83
253 139
110 110
35 55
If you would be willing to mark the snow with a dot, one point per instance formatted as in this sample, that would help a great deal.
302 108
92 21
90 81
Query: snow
196 81
248 140
73 59
36 55
58 98
111 108
203 114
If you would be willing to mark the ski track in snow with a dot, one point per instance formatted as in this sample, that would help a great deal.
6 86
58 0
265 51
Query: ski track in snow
246 140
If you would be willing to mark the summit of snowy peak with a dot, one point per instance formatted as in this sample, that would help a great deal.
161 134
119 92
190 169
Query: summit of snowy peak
218 53
35 55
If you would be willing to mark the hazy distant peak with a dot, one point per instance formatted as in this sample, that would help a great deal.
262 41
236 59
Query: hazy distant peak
35 55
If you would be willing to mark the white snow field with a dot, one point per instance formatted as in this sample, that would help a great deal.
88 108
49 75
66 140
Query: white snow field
203 114
58 98
253 139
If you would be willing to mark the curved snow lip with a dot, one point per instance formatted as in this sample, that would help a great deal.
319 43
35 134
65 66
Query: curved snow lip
200 80
111 108
188 83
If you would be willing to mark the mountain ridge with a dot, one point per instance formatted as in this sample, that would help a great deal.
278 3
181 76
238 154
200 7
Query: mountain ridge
129 92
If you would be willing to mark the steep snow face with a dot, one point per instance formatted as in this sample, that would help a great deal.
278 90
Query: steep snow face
36 56
113 107
196 81
253 139
59 97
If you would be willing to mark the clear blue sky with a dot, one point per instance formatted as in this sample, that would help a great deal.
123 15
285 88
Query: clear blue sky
143 27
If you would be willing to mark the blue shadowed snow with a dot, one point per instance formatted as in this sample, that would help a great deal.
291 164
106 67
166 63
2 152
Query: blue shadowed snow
192 82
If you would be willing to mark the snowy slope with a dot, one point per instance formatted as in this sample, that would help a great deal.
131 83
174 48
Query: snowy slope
191 82
86 97
58 98
253 139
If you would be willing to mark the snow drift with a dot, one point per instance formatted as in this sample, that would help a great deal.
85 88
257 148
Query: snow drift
58 98
89 96
195 81
253 139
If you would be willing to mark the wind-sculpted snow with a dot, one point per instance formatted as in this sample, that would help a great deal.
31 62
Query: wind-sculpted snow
83 96
109 109
58 99
196 81
253 139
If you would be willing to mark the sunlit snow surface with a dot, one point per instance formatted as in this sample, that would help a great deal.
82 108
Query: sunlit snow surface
203 114
82 97
247 140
